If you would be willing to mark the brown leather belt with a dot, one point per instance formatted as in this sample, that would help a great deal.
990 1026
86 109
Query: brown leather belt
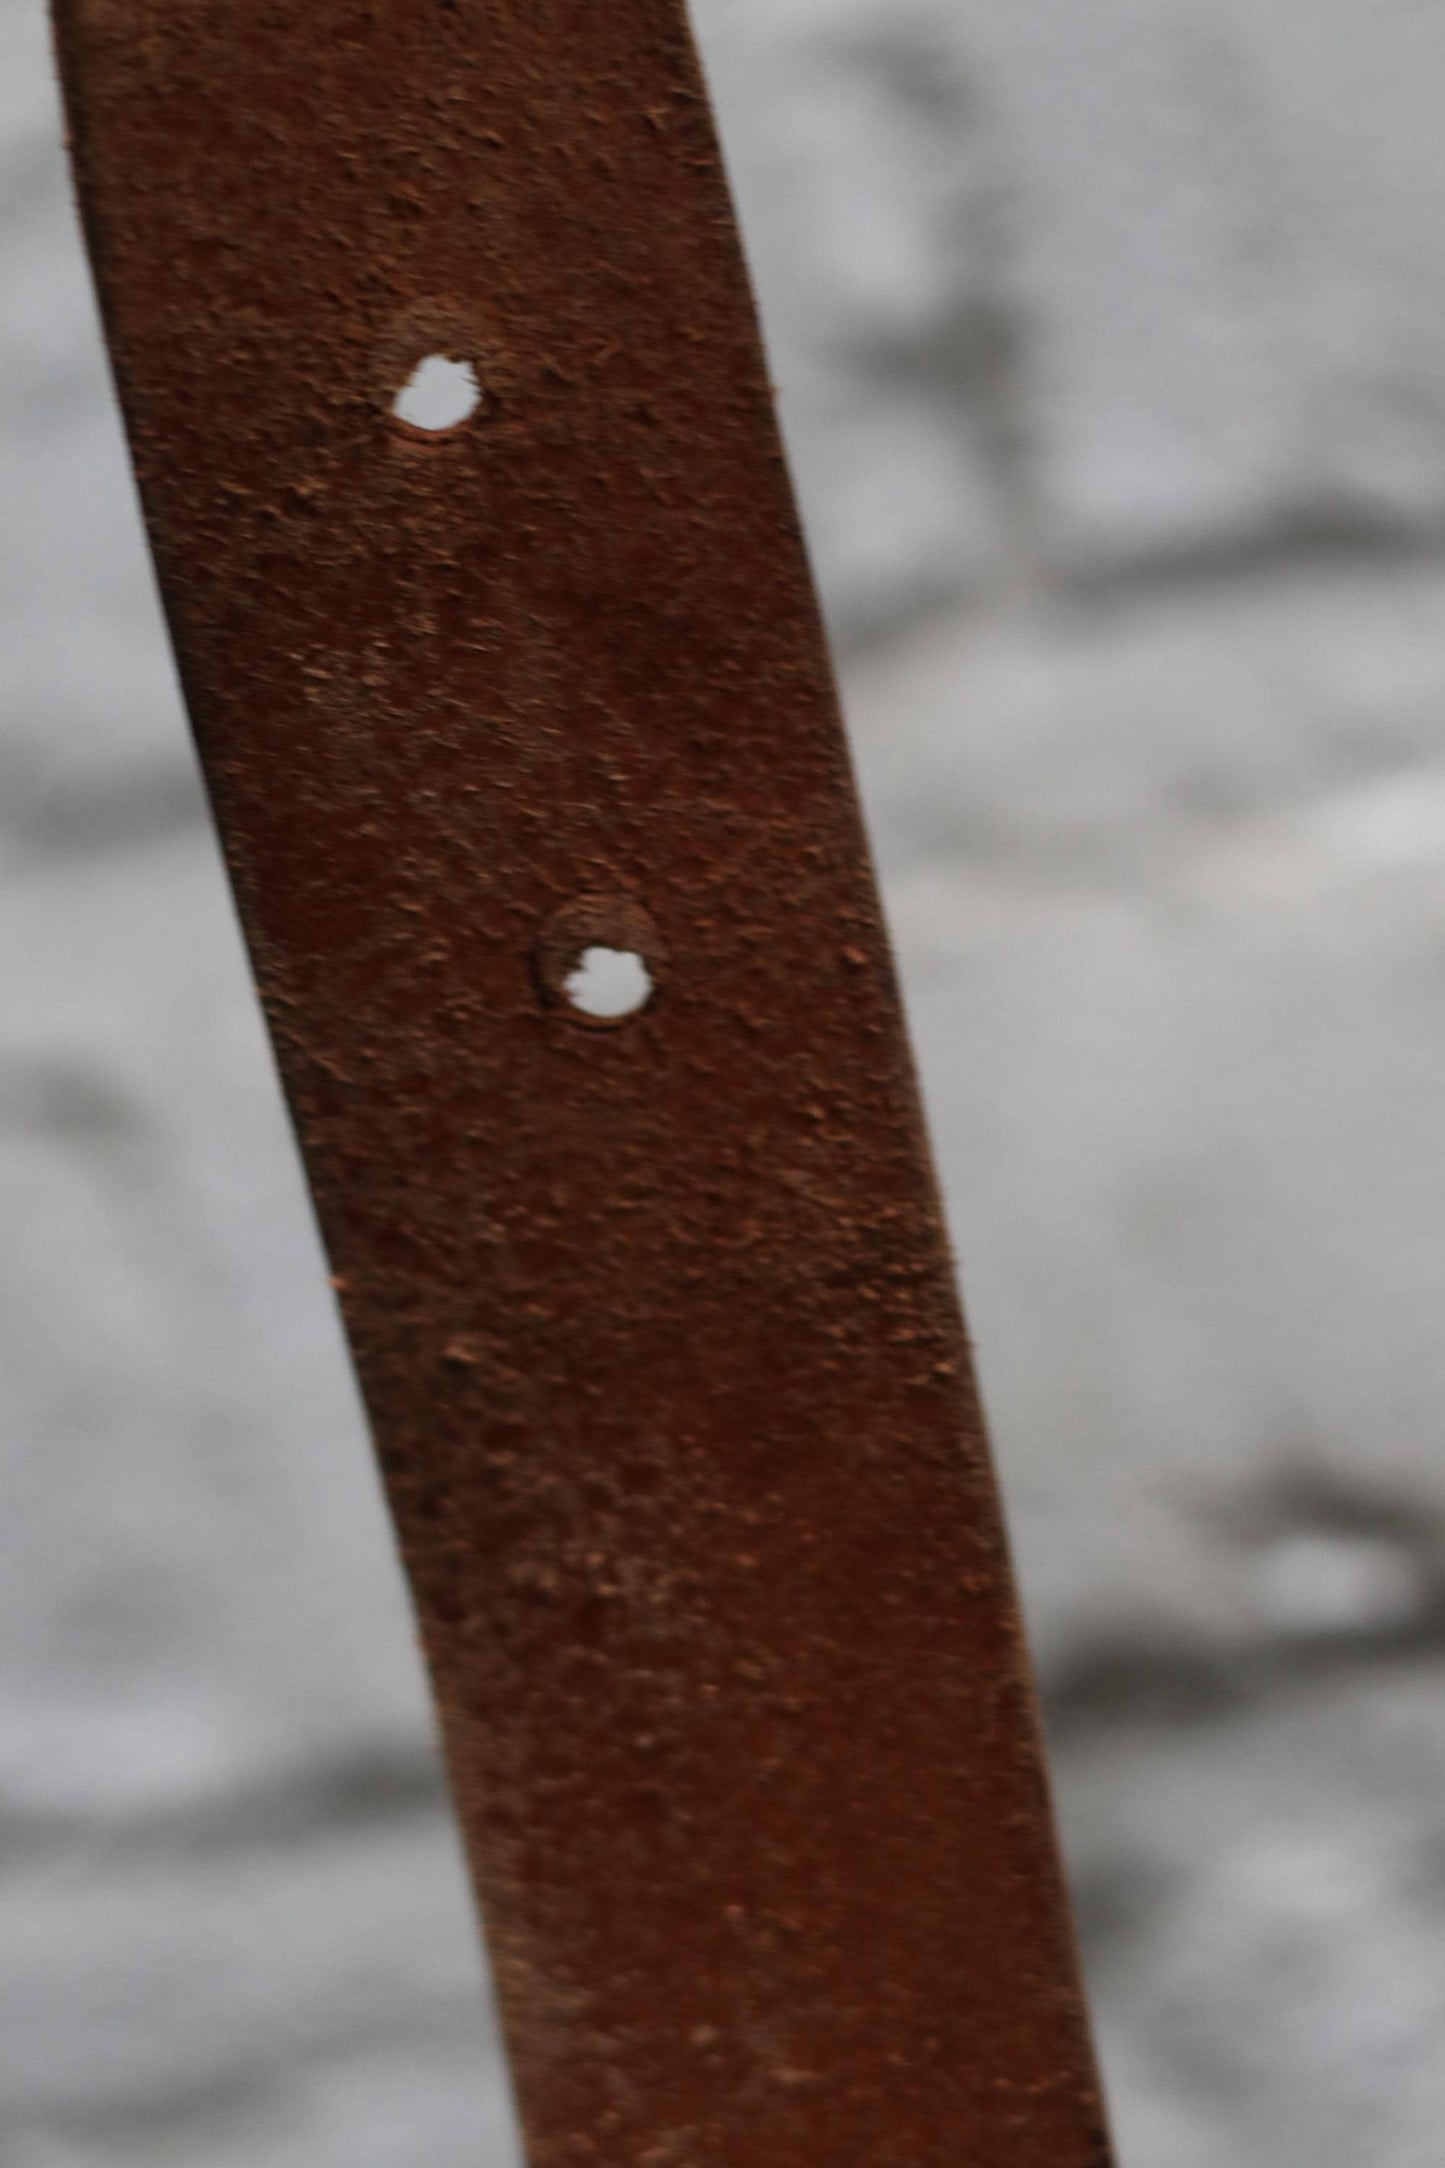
653 1311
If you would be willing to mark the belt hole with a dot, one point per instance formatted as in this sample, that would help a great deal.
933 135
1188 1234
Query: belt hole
600 961
607 985
439 397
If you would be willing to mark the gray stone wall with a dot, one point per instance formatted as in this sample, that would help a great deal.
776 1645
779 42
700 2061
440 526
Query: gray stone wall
1111 344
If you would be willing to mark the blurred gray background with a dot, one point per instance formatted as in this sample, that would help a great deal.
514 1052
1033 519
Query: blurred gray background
1111 340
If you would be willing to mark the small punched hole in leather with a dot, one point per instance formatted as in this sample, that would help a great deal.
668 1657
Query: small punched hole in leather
609 984
439 398
599 961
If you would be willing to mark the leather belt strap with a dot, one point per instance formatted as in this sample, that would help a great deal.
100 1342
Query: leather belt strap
655 1322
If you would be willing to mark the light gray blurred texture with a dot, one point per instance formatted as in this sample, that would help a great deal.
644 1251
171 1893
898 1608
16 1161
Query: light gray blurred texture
1112 348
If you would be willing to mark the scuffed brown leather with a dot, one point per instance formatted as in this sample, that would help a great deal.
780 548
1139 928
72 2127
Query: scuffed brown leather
655 1324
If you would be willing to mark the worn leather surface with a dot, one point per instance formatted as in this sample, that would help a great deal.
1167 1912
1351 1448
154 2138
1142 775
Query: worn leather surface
655 1324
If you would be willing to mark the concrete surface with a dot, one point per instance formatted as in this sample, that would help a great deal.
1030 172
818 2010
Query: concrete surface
1112 350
